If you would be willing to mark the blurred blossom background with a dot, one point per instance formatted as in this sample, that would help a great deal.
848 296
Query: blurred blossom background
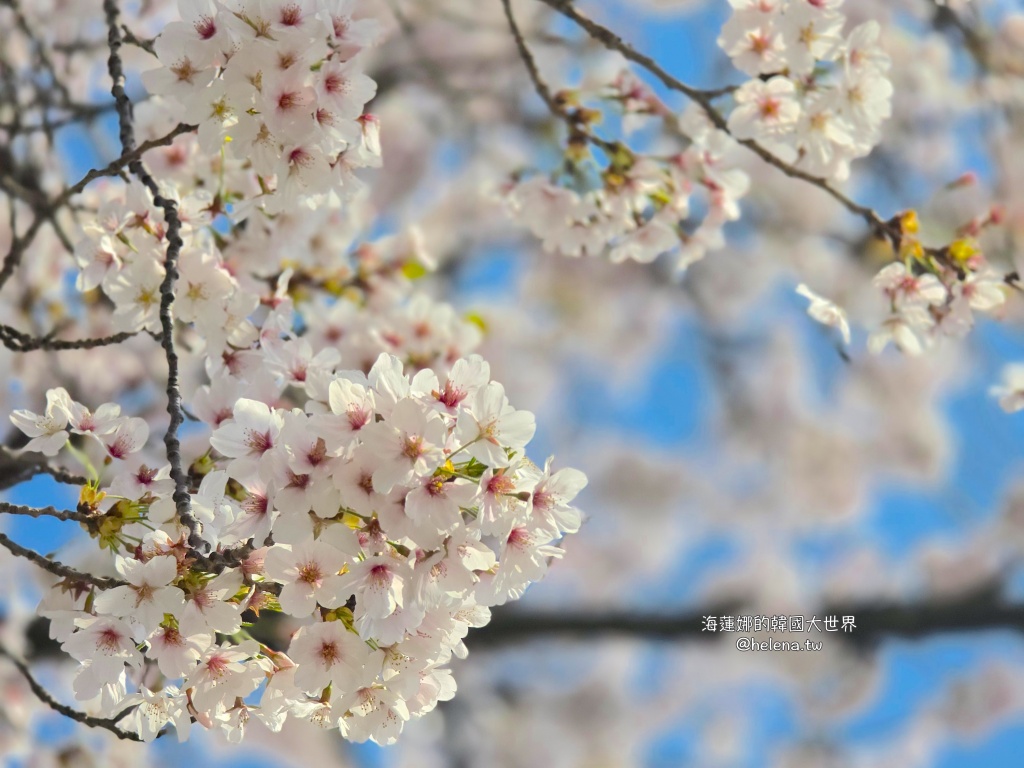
740 462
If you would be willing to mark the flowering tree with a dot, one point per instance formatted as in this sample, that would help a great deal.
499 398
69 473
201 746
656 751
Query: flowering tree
342 491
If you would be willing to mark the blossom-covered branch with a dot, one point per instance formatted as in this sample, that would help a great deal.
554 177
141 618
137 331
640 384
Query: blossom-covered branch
705 99
182 499
46 211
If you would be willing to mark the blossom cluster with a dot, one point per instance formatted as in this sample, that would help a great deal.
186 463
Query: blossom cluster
281 84
386 516
641 207
349 465
924 307
385 512
50 431
927 295
818 95
122 252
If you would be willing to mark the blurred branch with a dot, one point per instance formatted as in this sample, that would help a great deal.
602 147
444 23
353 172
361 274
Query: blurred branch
17 468
58 568
980 610
975 42
107 723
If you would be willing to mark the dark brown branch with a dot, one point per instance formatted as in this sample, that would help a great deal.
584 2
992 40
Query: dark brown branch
578 127
15 469
107 723
60 514
980 610
977 46
130 38
17 341
24 468
182 498
58 568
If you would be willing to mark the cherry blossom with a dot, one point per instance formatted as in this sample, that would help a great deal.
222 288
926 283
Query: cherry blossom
826 312
148 596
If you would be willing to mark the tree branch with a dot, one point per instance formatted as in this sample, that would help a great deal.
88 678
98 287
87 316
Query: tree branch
44 213
704 99
945 17
578 127
182 498
58 568
980 610
16 341
60 514
107 723
15 469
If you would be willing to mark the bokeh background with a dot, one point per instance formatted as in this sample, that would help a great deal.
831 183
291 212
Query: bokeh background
735 457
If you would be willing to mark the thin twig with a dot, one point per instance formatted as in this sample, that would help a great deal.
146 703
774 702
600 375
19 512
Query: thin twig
17 341
573 119
107 723
58 568
19 468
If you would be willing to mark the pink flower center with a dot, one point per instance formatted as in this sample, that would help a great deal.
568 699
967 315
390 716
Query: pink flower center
759 43
109 641
299 157
357 417
206 27
184 71
120 448
171 636
451 395
310 573
380 576
412 447
326 118
500 484
317 453
335 83
519 538
259 442
291 15
329 653
288 100
770 108
255 504
217 665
